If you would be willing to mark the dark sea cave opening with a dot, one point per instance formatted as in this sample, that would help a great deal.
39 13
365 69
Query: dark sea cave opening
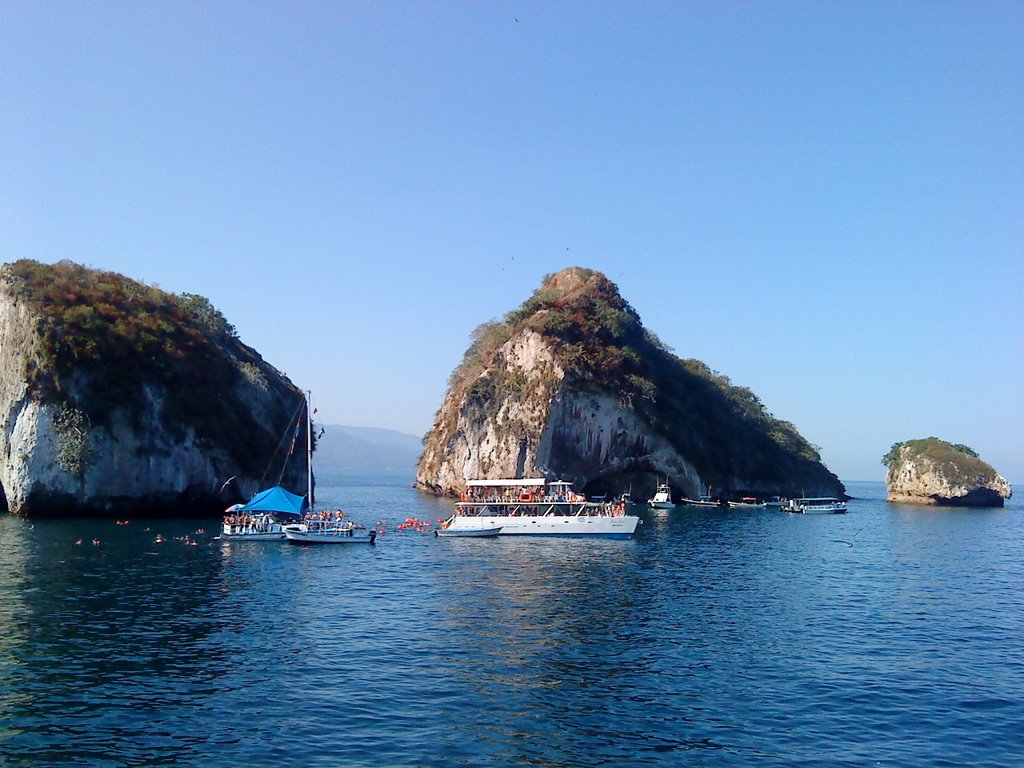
3 500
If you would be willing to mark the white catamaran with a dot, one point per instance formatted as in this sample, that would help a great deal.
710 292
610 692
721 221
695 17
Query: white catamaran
535 507
264 517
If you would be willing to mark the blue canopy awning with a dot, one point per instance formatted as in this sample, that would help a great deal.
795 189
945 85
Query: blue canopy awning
276 499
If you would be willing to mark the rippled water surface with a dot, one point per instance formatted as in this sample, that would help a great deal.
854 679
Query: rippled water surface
891 636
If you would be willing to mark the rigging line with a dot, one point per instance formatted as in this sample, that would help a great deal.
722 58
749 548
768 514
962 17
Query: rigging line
291 448
277 450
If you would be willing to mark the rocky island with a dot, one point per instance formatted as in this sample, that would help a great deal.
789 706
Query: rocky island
932 471
119 398
571 385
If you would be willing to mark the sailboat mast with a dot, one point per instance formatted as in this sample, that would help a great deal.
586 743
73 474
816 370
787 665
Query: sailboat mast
309 448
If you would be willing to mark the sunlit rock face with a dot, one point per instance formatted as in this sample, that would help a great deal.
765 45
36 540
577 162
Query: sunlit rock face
116 397
571 386
934 472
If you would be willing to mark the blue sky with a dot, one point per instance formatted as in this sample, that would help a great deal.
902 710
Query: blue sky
821 200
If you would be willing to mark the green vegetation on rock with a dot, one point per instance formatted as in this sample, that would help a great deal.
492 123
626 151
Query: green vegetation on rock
956 462
600 341
109 344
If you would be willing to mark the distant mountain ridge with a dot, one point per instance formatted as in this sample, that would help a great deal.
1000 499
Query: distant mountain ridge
343 447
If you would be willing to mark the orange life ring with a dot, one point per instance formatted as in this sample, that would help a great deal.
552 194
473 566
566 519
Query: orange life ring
526 497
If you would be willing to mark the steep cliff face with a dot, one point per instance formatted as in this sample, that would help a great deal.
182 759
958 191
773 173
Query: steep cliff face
934 472
118 397
570 385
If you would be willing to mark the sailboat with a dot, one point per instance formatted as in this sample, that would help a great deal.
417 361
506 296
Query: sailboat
326 527
265 515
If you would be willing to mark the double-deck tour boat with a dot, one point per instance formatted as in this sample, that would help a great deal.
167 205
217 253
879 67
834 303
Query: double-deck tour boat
535 507
820 506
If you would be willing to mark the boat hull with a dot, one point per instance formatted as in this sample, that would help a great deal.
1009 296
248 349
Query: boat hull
598 526
476 533
301 537
818 511
693 503
253 536
661 505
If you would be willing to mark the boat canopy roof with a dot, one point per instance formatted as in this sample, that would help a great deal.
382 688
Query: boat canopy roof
530 482
276 499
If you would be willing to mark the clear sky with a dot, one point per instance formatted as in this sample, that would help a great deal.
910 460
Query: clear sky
821 200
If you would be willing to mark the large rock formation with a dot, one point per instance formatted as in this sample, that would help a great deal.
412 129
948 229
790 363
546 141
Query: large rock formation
571 385
116 397
932 471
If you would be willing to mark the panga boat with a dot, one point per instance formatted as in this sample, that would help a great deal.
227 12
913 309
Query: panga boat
746 501
535 507
662 498
821 506
703 501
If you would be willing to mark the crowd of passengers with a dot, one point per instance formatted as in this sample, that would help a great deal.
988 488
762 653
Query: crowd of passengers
261 523
253 523
326 515
505 496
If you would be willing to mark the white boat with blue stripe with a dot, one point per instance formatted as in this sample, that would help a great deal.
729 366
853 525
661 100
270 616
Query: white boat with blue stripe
535 507
815 506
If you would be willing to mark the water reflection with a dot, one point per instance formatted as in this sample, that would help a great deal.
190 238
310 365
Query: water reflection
732 638
109 642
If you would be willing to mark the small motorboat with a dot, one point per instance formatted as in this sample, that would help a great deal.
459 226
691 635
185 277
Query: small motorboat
328 532
746 501
662 498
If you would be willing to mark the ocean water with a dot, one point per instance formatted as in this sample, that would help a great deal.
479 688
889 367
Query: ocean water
890 636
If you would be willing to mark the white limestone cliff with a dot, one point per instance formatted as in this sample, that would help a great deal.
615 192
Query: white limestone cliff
571 386
132 462
914 478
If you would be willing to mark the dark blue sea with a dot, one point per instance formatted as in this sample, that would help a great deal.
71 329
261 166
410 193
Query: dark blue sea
890 636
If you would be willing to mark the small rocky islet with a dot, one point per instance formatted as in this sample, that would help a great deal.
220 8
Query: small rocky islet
938 473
